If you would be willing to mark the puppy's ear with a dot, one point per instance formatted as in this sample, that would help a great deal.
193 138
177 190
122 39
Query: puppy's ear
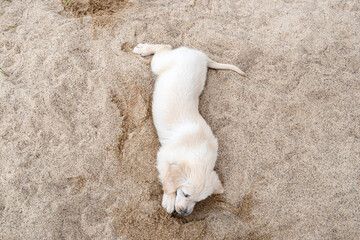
173 179
218 188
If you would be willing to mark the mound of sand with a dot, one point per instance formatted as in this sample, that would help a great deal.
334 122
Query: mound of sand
78 147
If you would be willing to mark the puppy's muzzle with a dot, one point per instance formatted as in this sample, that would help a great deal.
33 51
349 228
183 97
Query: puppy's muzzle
184 212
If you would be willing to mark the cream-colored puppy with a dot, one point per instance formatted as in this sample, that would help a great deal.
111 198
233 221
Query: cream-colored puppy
188 150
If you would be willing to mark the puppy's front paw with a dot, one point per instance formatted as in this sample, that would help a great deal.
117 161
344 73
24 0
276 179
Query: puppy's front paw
143 49
168 202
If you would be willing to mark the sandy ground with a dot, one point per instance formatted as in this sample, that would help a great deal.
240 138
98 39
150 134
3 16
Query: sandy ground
78 147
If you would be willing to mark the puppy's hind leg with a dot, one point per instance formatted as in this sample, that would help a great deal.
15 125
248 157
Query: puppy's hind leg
146 49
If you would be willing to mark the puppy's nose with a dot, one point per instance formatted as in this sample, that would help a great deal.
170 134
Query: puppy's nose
183 212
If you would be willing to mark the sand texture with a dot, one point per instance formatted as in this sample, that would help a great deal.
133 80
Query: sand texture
77 142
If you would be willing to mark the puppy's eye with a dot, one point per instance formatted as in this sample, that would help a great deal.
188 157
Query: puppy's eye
186 195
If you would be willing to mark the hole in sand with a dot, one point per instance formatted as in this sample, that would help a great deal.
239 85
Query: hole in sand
81 8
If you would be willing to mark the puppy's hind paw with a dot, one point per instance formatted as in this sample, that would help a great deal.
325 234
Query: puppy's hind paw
143 49
168 202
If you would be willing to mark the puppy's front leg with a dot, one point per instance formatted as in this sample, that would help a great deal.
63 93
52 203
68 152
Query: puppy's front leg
146 49
168 202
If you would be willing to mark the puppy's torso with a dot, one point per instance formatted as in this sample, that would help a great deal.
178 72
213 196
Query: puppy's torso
181 79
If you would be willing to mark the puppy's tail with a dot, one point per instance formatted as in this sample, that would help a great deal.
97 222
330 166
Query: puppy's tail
216 65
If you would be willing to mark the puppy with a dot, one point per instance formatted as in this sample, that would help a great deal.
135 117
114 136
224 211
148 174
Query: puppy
188 150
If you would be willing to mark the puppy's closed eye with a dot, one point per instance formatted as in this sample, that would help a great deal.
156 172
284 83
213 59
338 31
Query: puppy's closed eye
185 194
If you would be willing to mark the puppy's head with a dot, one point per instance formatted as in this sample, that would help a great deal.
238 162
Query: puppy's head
191 183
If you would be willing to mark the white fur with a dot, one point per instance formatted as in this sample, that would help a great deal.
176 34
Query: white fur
188 150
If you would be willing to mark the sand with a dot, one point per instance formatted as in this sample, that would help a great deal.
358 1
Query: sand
78 146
